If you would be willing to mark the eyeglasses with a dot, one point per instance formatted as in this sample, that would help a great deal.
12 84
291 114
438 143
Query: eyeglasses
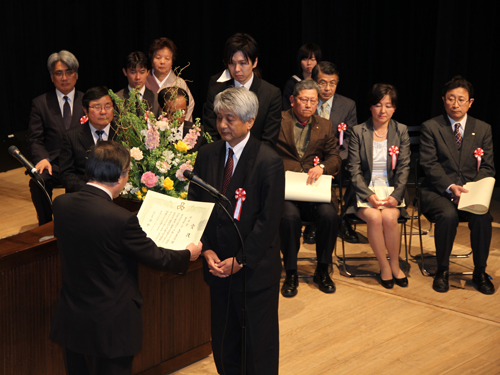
99 107
326 84
452 100
67 72
307 100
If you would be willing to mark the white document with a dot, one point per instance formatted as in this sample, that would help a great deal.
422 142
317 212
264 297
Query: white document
173 223
297 190
478 199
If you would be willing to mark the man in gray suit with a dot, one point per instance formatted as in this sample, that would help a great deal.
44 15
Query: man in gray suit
448 147
341 112
51 115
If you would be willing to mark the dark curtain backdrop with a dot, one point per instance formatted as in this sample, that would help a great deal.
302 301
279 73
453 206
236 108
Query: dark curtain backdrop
415 45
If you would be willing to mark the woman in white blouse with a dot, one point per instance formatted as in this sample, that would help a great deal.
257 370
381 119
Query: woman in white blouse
379 155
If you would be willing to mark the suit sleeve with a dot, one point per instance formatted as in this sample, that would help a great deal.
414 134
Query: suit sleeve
487 168
435 174
273 119
36 135
331 157
351 120
403 164
354 165
209 118
67 168
272 196
136 245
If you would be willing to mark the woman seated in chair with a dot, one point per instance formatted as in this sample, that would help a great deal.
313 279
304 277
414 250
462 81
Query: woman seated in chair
379 156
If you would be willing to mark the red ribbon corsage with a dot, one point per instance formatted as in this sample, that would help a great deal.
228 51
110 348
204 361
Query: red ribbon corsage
316 161
342 127
478 153
146 115
394 152
240 197
84 119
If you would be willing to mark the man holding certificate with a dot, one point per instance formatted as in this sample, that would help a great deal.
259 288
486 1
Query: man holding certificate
455 149
307 144
251 175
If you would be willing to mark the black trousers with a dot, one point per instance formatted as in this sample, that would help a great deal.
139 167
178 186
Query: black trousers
326 220
42 205
447 216
81 364
262 354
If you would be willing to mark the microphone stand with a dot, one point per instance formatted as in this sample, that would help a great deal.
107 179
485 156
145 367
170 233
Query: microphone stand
41 185
243 280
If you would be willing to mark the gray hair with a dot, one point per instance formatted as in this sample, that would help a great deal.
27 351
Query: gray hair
240 101
65 57
305 84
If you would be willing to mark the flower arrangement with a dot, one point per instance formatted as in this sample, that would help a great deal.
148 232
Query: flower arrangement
159 153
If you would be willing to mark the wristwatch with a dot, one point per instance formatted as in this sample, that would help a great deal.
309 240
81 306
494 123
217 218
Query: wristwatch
322 166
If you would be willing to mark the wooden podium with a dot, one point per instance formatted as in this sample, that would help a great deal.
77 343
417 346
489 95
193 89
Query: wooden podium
176 311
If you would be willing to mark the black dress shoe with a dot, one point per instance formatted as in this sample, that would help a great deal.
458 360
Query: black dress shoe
483 283
346 232
289 288
310 234
403 282
440 283
325 283
387 284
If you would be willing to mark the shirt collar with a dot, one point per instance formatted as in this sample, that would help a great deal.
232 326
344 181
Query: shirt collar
60 96
102 188
160 84
141 91
462 122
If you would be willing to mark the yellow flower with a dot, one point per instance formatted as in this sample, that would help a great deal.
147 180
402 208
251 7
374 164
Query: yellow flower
183 195
144 190
181 146
139 195
168 184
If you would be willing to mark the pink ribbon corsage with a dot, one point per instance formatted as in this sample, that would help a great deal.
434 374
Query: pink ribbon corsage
316 161
342 127
478 153
240 197
84 119
394 152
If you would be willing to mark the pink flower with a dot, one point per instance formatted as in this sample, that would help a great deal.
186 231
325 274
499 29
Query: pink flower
180 172
190 138
152 138
149 179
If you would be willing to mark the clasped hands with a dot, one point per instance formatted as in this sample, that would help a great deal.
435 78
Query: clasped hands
376 202
221 268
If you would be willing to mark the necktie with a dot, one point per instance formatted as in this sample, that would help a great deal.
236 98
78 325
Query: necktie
458 136
99 135
228 171
66 113
324 113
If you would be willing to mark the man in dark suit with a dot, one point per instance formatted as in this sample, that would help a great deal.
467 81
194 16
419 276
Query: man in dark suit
448 147
341 112
98 316
241 57
77 141
136 69
51 115
258 180
172 100
303 138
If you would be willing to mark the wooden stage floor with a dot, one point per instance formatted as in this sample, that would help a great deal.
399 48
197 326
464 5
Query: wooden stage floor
362 328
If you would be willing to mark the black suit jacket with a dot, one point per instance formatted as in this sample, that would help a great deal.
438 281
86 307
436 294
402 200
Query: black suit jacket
99 308
46 126
267 123
75 147
444 165
260 173
343 110
150 98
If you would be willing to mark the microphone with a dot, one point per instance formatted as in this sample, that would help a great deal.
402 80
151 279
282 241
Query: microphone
198 181
14 151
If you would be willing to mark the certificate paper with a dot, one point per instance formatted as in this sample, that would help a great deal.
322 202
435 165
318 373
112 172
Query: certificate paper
297 190
173 223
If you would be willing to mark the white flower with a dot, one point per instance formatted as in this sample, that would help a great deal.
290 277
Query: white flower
162 125
128 186
162 166
168 155
176 162
136 153
144 132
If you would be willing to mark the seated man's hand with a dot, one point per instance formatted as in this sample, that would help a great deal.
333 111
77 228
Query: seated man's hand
44 164
195 250
457 190
314 174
